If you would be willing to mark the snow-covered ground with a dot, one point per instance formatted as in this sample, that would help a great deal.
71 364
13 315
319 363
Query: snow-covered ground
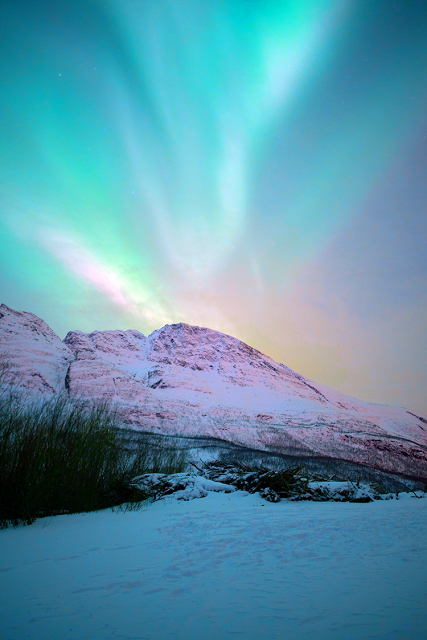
225 566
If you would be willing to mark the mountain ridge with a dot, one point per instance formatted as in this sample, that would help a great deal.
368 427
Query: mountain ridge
195 381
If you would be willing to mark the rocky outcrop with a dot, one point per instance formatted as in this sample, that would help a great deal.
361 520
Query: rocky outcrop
194 381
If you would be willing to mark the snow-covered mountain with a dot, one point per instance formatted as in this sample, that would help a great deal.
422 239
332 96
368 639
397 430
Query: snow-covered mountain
194 381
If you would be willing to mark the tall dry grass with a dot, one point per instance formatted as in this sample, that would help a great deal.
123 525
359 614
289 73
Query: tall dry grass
60 454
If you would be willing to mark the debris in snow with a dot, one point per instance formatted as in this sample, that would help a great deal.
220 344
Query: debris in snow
339 492
273 486
184 486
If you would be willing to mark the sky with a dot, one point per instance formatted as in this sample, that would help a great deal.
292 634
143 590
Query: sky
258 167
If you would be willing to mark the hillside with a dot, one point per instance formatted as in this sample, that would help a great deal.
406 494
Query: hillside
194 381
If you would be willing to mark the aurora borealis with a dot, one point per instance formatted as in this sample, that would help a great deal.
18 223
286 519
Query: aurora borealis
257 167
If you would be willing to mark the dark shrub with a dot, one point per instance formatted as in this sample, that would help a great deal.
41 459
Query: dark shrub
66 455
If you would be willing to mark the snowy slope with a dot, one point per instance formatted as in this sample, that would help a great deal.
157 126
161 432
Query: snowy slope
218 568
195 381
37 354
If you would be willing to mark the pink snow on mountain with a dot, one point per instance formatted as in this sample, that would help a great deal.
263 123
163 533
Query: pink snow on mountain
193 381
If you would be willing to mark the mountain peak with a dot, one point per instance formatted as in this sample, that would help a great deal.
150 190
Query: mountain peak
195 381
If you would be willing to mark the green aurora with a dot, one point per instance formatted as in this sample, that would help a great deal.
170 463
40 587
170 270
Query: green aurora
258 167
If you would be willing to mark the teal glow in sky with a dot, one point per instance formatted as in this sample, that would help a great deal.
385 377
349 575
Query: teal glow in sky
258 167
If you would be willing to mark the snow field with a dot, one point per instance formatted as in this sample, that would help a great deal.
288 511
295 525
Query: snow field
225 566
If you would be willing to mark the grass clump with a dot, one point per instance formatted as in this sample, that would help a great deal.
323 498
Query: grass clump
66 455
